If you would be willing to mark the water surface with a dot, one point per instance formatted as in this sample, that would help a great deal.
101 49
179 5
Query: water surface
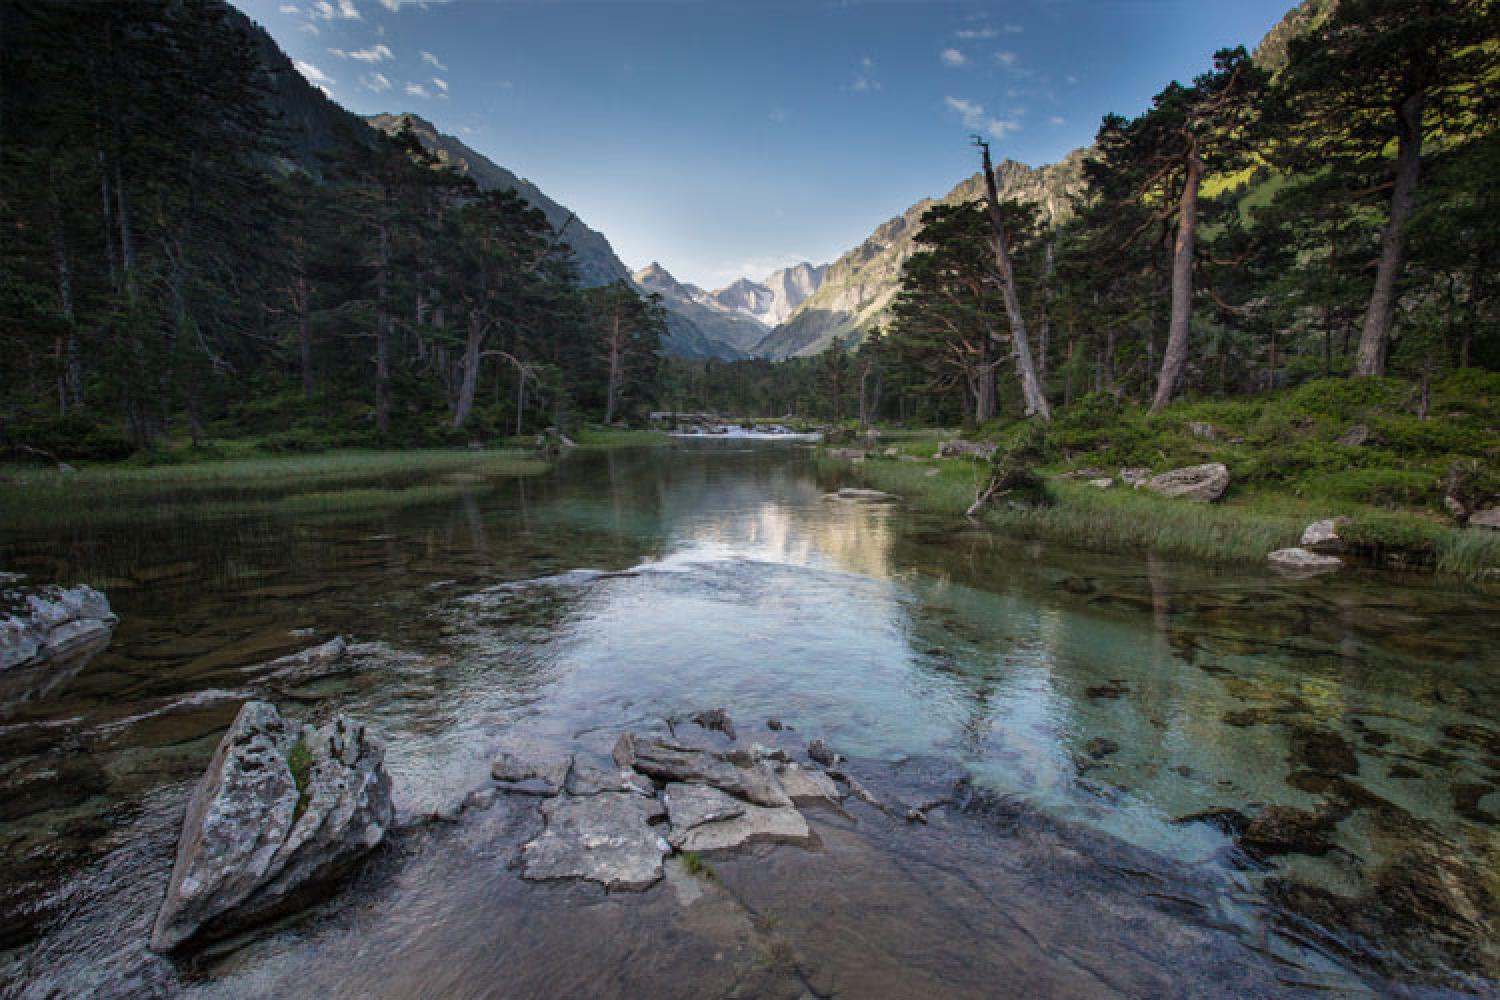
1100 699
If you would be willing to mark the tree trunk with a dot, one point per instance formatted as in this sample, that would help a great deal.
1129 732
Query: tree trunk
304 337
1044 321
69 387
1375 337
1031 387
1174 358
616 373
383 337
473 343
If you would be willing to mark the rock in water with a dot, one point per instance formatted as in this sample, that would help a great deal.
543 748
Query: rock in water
693 805
756 824
59 628
605 838
282 809
1202 483
530 773
666 761
1302 561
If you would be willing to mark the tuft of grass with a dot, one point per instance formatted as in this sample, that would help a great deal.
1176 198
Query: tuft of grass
299 760
693 864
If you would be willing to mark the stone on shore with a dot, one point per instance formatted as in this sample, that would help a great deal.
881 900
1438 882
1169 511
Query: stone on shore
605 838
588 779
1200 483
1323 536
753 781
61 628
282 808
1488 519
1137 475
1302 561
959 448
852 494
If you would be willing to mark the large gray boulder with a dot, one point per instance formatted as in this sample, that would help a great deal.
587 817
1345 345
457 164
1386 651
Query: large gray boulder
282 809
1201 483
58 628
1489 519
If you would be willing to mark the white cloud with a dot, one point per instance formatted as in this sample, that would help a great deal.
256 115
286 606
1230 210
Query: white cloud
1014 29
953 57
395 5
1056 120
1070 80
417 90
971 34
314 76
1006 58
325 10
976 119
290 8
756 268
432 60
375 81
374 54
865 80
777 115
440 83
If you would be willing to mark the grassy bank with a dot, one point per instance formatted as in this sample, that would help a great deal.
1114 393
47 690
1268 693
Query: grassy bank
33 498
1361 449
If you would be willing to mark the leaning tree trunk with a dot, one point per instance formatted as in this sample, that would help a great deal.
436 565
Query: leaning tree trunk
473 343
1174 358
1031 386
1375 338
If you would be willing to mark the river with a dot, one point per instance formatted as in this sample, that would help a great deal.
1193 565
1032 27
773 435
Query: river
1094 704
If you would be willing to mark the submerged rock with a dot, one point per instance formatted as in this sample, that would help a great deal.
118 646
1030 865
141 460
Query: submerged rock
1223 818
1303 561
1200 483
1287 830
588 779
56 628
282 808
716 720
605 838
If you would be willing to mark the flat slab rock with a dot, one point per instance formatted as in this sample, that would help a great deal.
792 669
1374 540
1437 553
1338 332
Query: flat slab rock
605 838
529 773
706 819
252 840
851 494
753 781
1304 561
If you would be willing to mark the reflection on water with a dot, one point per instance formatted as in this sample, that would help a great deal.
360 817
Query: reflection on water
1118 698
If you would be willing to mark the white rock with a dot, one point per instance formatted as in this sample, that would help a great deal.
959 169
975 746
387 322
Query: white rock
1304 561
1201 483
1323 536
605 838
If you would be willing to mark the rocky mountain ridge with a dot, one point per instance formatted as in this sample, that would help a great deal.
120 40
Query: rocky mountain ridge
857 290
742 313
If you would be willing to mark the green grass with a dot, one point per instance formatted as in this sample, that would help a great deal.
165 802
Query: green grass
299 760
312 484
693 864
601 438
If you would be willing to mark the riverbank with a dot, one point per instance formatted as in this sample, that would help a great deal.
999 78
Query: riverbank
1330 449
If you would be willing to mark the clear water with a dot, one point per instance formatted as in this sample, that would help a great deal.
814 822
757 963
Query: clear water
891 634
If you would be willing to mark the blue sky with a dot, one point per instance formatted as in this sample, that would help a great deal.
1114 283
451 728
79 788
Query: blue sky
727 139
